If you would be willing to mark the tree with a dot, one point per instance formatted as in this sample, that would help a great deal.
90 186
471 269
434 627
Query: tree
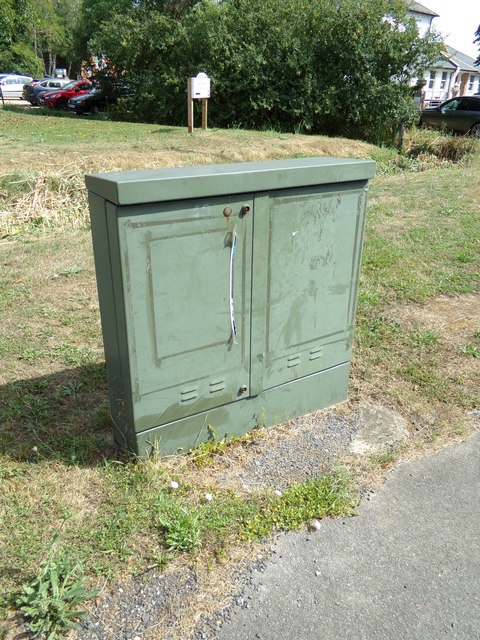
93 14
34 32
51 26
16 50
343 68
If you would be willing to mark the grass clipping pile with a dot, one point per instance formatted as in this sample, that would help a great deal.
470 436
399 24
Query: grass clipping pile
48 199
52 193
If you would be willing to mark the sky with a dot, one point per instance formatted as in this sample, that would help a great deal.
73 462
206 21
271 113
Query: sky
458 21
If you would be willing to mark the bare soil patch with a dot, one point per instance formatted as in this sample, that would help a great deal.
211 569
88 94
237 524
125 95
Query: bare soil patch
456 323
454 319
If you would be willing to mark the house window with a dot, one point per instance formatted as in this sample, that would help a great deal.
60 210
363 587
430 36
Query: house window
431 80
470 84
443 81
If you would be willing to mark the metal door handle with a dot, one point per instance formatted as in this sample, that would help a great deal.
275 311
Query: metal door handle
232 314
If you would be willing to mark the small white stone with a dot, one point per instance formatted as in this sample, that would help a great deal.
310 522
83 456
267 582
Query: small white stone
208 497
173 484
316 524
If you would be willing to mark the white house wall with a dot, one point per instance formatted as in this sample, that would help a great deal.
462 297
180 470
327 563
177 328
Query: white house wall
423 23
441 84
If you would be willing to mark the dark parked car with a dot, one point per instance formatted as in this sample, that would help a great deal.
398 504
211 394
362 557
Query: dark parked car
59 99
461 114
93 101
33 90
98 98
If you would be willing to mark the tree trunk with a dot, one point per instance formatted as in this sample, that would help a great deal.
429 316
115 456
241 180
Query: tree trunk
401 132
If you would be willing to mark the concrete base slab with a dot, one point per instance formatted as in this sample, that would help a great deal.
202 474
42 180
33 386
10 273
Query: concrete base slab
381 428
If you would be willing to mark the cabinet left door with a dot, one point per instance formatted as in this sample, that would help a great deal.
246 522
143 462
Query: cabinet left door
185 297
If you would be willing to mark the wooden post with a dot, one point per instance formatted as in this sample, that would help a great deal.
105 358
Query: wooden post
190 105
204 112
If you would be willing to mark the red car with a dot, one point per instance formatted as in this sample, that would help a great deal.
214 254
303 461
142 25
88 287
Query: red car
59 98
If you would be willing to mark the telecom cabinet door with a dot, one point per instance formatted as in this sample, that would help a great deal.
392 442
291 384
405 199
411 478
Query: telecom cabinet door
186 287
308 247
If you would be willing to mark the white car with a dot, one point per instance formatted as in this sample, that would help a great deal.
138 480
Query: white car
11 84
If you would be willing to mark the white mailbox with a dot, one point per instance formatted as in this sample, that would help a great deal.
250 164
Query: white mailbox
200 86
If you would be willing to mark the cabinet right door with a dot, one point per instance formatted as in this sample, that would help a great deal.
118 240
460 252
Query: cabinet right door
307 251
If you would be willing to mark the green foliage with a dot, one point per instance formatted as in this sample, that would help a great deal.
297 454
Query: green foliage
52 31
49 601
34 32
330 494
205 453
181 529
471 350
425 338
338 68
383 459
160 559
16 48
93 15
72 271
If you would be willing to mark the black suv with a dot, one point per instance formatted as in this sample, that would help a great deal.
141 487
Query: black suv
461 114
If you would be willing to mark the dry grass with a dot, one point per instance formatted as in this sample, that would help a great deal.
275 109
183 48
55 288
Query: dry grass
455 320
437 147
52 191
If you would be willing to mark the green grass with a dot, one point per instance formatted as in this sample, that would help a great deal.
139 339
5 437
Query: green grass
59 469
436 212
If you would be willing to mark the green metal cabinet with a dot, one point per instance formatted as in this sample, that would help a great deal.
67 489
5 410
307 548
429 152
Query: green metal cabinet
227 294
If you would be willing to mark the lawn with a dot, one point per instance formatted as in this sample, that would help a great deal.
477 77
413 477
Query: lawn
417 349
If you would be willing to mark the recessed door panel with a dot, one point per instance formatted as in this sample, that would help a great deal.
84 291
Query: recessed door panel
185 290
312 258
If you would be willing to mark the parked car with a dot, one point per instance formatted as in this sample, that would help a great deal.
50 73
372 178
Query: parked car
460 114
34 89
11 85
93 101
59 99
98 98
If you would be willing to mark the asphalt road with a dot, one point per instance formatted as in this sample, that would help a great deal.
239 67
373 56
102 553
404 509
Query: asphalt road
408 567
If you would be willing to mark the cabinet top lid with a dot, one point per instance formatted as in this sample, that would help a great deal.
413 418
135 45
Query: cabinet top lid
160 185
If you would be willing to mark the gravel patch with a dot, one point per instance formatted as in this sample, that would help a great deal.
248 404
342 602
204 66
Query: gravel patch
310 446
136 609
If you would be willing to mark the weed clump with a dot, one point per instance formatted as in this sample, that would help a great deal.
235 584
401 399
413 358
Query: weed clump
430 146
49 600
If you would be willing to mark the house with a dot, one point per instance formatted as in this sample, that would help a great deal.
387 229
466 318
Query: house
423 16
454 74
